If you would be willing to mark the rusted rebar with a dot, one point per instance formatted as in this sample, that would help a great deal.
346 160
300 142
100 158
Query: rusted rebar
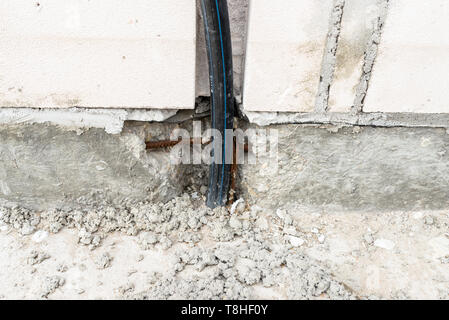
161 144
233 173
170 143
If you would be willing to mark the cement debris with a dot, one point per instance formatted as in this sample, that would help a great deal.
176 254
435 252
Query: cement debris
36 257
51 284
103 261
212 254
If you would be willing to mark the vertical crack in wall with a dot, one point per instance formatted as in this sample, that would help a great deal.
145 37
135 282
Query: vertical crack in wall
330 57
370 57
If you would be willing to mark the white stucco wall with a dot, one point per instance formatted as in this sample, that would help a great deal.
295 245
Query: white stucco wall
285 47
358 24
390 55
97 53
412 67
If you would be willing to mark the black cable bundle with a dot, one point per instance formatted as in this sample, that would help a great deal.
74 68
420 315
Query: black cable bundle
218 43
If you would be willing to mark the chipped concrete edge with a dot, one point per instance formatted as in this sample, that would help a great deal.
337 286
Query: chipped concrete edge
77 119
329 56
431 120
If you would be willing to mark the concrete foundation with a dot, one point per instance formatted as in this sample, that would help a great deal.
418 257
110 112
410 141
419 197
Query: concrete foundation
44 166
319 167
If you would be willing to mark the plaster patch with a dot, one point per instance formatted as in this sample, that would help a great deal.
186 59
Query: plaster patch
80 118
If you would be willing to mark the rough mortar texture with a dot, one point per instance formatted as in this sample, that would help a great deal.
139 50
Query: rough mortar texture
352 168
232 257
370 56
44 166
329 59
359 22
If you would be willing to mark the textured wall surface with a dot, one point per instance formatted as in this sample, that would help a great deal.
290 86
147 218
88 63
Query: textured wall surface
44 166
353 168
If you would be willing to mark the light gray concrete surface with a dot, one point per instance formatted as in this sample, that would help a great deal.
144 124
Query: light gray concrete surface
353 168
44 166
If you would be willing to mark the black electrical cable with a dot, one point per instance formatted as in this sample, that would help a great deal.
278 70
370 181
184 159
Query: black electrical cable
219 50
